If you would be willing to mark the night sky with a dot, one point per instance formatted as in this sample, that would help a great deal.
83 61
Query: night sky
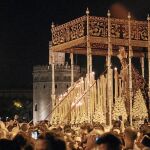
25 32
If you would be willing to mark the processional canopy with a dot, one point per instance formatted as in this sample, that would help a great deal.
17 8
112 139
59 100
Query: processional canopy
72 35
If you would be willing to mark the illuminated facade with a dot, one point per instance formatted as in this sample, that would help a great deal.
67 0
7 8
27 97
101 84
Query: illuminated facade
42 85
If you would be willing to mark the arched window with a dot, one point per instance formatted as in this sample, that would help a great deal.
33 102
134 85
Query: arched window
35 107
55 86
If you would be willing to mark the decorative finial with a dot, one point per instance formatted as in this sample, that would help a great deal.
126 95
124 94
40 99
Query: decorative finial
148 18
108 13
87 11
129 15
52 25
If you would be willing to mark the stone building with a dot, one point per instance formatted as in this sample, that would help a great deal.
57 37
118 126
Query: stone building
42 85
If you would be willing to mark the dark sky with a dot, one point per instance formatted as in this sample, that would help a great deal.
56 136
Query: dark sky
25 32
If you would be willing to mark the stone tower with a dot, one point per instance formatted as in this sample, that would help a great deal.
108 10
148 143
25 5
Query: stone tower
42 85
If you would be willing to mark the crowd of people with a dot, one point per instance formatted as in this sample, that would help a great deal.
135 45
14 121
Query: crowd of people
43 136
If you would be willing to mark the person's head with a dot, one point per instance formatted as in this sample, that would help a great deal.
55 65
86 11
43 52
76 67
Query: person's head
99 126
108 141
44 141
146 122
48 141
28 147
130 135
116 131
20 140
24 127
59 144
120 118
42 144
86 128
116 124
6 144
2 125
3 134
67 127
98 129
